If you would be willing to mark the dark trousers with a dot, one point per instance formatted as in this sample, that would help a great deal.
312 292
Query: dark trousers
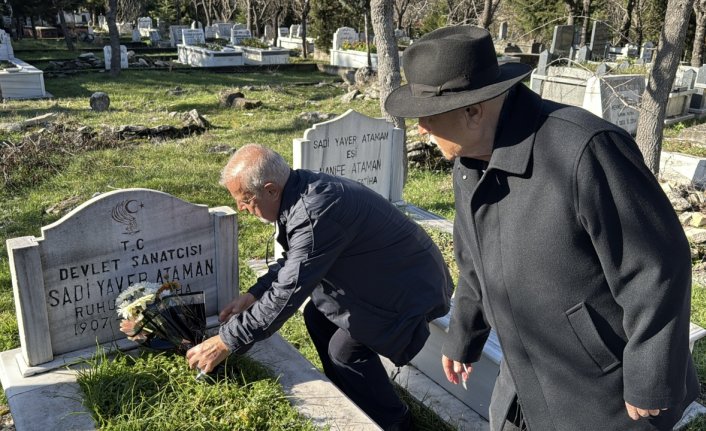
355 369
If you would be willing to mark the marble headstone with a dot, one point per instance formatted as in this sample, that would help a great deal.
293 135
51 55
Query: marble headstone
358 147
65 282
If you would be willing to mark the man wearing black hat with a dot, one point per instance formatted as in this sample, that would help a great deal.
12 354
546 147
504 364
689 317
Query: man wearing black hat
565 243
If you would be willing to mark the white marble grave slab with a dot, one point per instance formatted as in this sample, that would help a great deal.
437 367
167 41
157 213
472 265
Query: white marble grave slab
191 37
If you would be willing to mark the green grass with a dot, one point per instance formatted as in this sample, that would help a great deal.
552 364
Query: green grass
159 392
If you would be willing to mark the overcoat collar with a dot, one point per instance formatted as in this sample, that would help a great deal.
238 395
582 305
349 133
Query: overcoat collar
515 134
290 194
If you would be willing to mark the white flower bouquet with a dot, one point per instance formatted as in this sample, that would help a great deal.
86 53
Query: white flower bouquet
158 317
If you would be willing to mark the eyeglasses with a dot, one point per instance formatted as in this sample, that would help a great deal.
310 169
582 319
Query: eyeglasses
248 200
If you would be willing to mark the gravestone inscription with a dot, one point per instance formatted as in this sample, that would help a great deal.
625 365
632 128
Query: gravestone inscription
65 282
358 147
615 98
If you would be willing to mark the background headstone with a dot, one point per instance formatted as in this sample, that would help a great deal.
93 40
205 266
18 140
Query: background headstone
237 35
688 79
193 37
295 31
562 41
537 47
144 23
502 32
136 37
615 98
196 25
6 51
344 34
283 32
223 29
543 62
601 38
209 32
584 54
175 34
269 32
99 101
358 147
107 56
648 50
66 282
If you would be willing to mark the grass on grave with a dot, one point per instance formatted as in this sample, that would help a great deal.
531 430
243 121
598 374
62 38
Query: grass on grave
159 391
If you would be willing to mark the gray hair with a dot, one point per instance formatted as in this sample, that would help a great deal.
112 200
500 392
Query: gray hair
255 165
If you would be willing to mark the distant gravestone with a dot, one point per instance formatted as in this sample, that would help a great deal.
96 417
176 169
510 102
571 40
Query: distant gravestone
615 98
602 69
136 37
154 36
502 31
65 282
209 32
144 23
238 35
543 62
584 54
344 34
6 51
601 38
648 50
269 32
295 31
688 79
192 37
283 32
562 41
99 101
537 47
175 34
223 29
107 56
701 76
196 25
358 147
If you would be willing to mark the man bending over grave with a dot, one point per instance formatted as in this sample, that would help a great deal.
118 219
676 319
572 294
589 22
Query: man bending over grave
374 277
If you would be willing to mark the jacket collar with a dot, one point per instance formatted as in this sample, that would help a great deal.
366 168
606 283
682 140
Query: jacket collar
290 193
515 132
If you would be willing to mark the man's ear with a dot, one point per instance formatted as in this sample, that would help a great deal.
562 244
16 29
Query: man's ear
272 190
473 114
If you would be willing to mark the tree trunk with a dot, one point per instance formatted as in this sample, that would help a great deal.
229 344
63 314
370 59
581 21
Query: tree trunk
627 22
367 40
389 76
699 34
305 15
487 16
660 80
64 28
34 28
585 27
110 13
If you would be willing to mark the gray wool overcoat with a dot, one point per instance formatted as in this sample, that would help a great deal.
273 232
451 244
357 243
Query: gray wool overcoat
569 249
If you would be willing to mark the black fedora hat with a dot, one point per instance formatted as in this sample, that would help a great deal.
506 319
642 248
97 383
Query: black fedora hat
450 68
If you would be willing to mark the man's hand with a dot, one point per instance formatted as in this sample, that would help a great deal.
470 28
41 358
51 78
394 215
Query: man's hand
636 413
127 327
453 369
208 354
237 306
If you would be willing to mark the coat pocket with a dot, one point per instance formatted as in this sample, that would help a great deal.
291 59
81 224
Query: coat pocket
582 324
